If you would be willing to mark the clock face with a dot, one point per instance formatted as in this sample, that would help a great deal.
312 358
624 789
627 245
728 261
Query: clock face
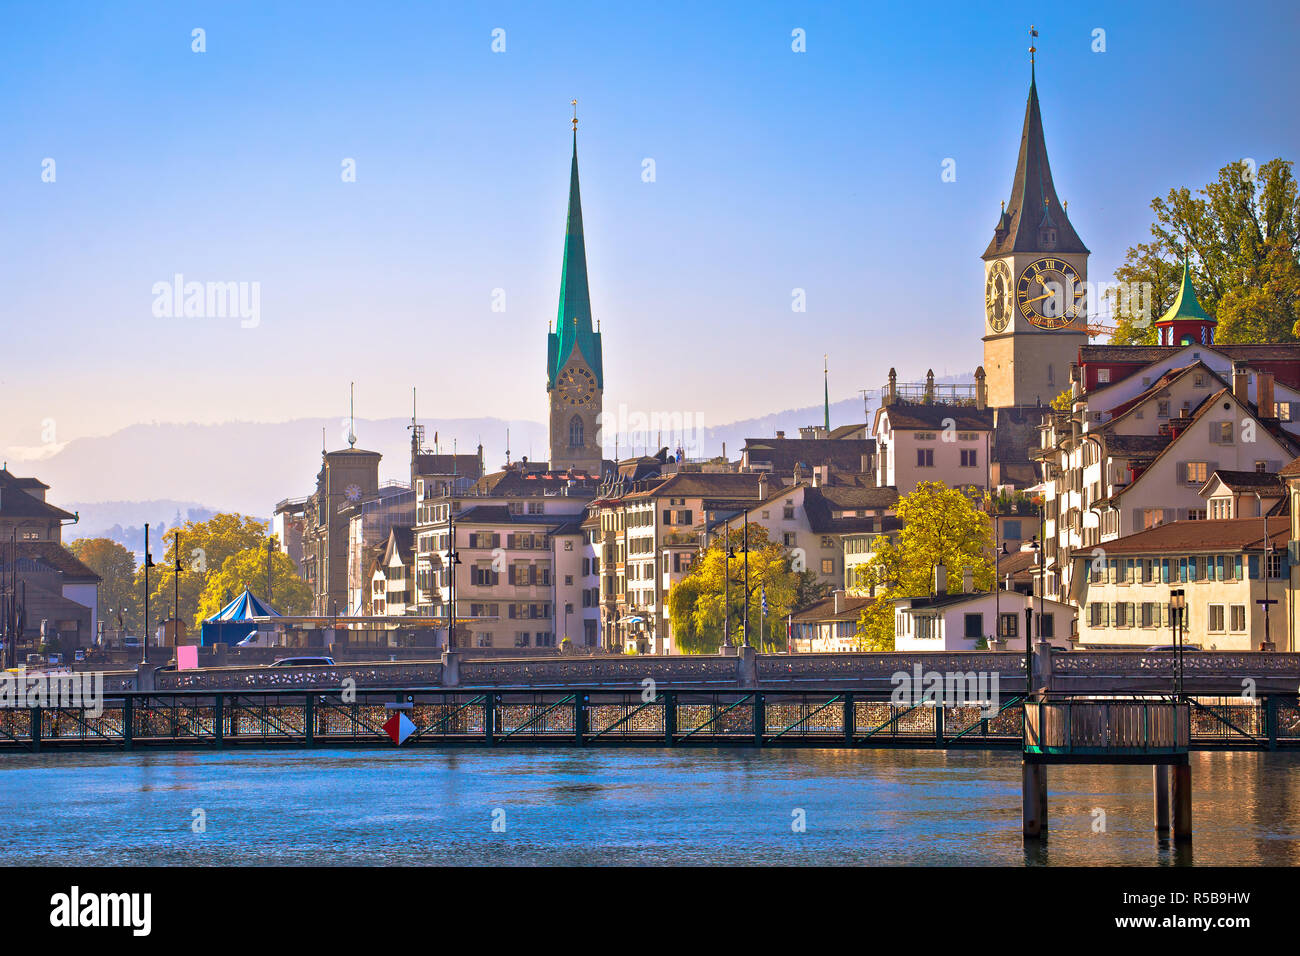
1051 295
997 297
577 386
352 493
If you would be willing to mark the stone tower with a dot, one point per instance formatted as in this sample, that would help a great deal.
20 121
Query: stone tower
1035 274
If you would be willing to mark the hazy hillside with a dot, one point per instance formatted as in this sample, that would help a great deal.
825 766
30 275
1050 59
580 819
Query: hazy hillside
150 472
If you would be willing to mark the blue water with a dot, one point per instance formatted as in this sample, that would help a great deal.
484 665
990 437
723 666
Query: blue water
621 807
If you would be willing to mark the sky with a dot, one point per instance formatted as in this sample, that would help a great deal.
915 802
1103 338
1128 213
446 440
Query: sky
774 171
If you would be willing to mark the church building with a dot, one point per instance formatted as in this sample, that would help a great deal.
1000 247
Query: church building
575 378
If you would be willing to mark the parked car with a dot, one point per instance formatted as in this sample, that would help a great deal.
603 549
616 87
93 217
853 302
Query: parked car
56 659
35 660
79 655
132 642
303 662
1174 647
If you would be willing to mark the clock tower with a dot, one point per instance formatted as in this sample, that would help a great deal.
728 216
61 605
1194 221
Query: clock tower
1035 271
575 381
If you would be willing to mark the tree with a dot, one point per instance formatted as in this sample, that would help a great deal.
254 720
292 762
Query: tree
119 599
247 569
941 525
1241 237
205 547
697 604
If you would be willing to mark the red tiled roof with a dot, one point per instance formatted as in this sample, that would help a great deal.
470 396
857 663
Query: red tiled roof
1182 537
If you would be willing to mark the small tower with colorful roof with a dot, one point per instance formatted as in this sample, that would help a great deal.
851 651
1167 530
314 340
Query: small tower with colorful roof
1186 322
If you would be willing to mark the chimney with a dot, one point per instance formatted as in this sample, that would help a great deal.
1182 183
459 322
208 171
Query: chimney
929 386
981 390
839 601
1264 394
891 391
1240 382
940 580
864 464
968 581
762 486
780 434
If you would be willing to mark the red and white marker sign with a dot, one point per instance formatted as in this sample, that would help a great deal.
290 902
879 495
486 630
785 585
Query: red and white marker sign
399 727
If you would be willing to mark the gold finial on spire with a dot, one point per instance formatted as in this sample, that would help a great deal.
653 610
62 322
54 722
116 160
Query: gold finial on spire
575 116
1032 49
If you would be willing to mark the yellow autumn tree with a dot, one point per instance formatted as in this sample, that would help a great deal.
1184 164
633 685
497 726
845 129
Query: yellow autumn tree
941 526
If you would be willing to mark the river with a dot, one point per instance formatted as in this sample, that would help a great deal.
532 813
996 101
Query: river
612 806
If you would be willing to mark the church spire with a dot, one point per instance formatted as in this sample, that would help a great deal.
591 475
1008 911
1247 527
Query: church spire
1034 219
573 327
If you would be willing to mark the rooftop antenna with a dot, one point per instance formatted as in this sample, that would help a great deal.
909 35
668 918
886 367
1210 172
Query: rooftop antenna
352 414
507 446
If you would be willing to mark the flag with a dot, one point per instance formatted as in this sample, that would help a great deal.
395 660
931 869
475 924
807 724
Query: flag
765 600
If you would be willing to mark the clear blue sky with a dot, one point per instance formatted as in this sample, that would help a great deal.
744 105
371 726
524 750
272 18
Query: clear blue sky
775 170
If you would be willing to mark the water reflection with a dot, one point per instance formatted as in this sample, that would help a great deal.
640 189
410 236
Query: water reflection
627 806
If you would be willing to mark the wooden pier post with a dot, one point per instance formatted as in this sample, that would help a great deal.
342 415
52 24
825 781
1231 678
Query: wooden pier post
1034 799
1183 802
1160 787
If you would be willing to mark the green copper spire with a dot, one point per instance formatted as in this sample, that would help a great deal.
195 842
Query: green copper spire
1186 307
573 328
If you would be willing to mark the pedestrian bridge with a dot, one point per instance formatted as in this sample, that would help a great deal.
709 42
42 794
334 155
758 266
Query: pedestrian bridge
833 717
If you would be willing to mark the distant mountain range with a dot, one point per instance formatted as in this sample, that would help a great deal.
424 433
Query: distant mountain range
153 472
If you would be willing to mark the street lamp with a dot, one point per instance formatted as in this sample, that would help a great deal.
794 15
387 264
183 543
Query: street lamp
728 554
1177 607
148 563
746 612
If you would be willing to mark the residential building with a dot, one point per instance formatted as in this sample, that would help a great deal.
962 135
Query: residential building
927 439
25 515
827 626
56 594
965 622
1123 594
369 523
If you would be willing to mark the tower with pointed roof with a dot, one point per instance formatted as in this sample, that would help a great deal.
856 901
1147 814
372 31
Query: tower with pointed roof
575 378
1186 322
1035 272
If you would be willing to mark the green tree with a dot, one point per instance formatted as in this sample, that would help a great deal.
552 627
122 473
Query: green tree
697 604
1241 236
119 599
247 569
941 525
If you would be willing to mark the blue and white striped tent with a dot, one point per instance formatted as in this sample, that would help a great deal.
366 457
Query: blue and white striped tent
232 623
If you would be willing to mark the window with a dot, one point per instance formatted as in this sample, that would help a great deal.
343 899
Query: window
925 628
1103 376
1261 467
1216 617
1148 614
788 539
1094 615
969 458
828 566
1162 408
925 458
1198 380
1047 625
1011 530
1221 433
974 625
1152 517
1195 514
1238 617
575 432
1198 472
788 512
1010 625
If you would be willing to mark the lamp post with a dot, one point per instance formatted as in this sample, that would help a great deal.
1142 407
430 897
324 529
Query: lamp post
176 591
727 555
1039 551
746 611
1268 633
1177 606
148 563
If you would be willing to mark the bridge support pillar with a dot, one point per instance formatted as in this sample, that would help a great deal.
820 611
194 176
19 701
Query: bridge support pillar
746 667
1033 810
1182 803
1160 786
450 668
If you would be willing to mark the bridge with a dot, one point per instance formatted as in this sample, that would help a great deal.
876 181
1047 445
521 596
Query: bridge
1236 700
